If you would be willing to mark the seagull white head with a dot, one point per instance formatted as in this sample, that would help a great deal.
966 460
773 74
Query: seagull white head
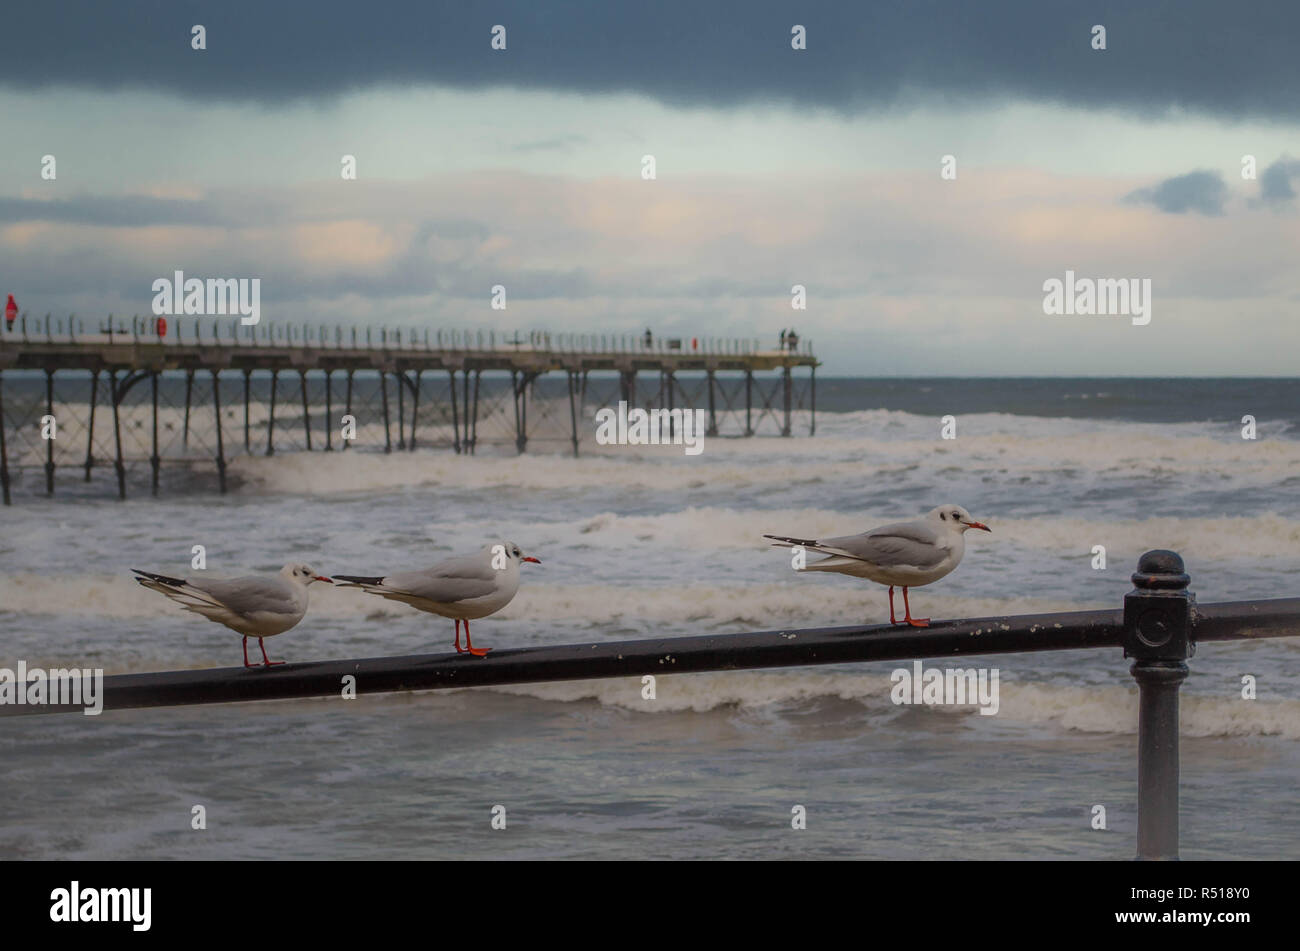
302 574
513 552
955 518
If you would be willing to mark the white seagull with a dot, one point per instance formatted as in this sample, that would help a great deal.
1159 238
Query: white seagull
463 588
254 606
904 554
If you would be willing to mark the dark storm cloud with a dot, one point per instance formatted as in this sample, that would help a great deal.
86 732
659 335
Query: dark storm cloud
225 208
1199 55
113 212
1202 192
1275 181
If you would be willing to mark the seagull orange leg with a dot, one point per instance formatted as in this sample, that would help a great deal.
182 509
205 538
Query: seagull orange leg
907 613
891 605
459 649
265 659
469 645
246 663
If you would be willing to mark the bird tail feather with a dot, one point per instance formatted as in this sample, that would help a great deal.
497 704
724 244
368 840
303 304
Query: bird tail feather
182 592
784 541
377 586
357 581
839 557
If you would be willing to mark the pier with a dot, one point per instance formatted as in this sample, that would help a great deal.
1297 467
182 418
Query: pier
133 395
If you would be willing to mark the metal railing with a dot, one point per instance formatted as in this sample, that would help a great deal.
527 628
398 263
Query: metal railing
1157 627
231 332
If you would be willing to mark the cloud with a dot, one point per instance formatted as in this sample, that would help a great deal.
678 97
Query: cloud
937 282
563 143
1275 183
132 211
1162 55
1203 192
229 208
728 243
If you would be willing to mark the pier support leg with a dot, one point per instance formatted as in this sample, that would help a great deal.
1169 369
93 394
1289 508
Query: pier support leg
306 413
155 461
713 408
519 383
812 420
221 447
348 407
401 408
627 383
1158 636
270 421
464 400
49 443
415 406
189 392
118 463
329 412
388 435
473 432
670 381
455 416
4 449
248 448
786 392
749 402
573 408
90 432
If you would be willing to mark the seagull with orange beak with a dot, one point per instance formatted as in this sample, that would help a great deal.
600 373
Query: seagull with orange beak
904 554
464 588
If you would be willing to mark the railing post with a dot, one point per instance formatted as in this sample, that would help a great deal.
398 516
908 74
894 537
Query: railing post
1158 636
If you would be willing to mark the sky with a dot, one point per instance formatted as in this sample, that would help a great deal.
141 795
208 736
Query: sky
773 167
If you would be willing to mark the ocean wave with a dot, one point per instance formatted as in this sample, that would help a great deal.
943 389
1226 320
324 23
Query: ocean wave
1207 540
1093 709
874 456
775 604
682 543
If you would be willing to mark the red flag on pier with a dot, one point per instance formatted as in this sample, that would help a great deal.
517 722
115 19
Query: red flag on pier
11 311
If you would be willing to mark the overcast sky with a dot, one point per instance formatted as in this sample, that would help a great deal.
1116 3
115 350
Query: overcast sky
522 167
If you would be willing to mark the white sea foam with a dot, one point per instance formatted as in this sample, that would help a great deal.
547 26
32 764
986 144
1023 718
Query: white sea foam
864 447
1092 709
590 605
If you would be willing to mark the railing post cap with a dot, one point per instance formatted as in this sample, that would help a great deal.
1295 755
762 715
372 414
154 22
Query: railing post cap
1159 611
1161 569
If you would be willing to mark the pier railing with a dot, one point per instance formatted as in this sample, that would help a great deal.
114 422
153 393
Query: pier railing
232 332
1157 627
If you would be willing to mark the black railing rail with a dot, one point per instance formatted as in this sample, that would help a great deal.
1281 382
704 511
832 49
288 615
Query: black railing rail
1157 627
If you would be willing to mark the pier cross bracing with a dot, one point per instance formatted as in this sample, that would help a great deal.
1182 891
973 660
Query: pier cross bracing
129 400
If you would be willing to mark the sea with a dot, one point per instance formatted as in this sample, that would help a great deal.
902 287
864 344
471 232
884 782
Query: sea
647 541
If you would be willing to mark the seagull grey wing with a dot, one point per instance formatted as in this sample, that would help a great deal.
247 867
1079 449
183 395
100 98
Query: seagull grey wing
457 579
907 544
248 596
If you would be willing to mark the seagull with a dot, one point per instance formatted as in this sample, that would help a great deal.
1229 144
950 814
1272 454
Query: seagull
463 588
254 606
904 554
